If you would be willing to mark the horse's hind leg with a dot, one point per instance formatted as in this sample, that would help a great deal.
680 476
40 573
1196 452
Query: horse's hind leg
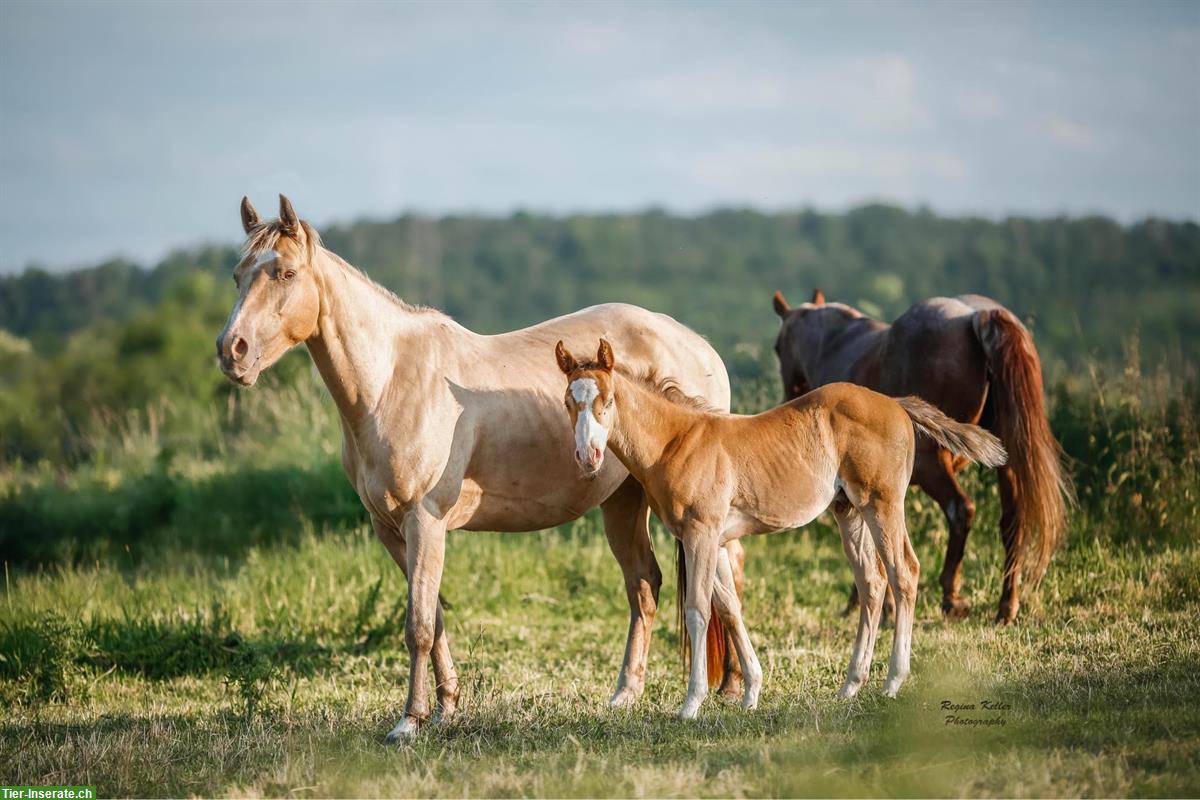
729 606
444 672
871 583
1014 547
936 476
885 517
886 617
627 526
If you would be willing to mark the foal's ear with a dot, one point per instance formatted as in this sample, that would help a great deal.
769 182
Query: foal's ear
566 361
604 356
287 216
818 297
250 218
781 305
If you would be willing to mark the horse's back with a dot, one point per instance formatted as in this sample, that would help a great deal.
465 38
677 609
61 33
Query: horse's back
643 339
934 353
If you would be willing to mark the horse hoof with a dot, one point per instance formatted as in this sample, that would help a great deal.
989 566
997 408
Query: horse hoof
848 691
1004 618
624 698
956 609
404 732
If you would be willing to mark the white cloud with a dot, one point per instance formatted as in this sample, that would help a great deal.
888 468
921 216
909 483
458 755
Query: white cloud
879 92
1075 135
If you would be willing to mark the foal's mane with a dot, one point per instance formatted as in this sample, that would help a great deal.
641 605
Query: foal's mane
267 235
667 387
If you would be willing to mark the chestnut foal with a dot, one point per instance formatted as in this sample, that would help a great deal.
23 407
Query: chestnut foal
713 477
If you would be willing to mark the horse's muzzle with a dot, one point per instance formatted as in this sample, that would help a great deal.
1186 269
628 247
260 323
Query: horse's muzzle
235 360
590 461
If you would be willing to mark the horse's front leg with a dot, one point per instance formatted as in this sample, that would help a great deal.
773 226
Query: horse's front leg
732 680
729 606
700 548
444 672
627 526
425 550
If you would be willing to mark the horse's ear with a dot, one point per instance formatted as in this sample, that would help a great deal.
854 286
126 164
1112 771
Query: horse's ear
818 297
566 361
287 216
781 305
250 218
604 356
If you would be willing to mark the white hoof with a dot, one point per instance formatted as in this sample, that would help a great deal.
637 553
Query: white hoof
892 687
404 732
848 691
624 697
690 709
753 687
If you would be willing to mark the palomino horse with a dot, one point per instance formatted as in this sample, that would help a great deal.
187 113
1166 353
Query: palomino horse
973 359
444 428
713 477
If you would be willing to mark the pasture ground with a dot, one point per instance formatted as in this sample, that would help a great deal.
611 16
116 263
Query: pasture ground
278 674
211 618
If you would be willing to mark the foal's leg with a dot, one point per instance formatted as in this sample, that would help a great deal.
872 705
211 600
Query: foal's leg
1013 536
425 546
935 474
444 672
732 679
729 606
627 526
700 549
871 583
885 517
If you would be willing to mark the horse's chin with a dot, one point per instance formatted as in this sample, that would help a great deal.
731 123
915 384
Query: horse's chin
590 475
247 378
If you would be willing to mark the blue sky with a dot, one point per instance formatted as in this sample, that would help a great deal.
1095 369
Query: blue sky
131 128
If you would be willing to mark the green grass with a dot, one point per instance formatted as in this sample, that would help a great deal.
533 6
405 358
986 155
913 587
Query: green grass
165 632
280 674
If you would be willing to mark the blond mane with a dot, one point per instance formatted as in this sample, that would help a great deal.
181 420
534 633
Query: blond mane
267 235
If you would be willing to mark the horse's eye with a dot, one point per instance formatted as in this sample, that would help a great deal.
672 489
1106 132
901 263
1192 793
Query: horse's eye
289 274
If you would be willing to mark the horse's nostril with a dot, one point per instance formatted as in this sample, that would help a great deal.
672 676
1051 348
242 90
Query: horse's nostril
240 348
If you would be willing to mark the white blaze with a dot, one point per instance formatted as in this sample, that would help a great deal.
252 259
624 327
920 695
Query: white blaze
264 258
588 430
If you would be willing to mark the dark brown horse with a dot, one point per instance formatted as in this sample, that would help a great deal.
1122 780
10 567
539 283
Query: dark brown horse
973 359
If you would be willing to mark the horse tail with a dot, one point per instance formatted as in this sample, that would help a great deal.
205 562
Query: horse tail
715 639
960 438
1043 488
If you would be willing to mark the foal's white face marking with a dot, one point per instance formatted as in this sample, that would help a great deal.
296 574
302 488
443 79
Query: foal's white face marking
590 436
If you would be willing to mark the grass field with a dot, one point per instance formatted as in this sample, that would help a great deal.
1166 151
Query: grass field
276 668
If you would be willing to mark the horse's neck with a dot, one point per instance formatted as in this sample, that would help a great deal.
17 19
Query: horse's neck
647 424
360 330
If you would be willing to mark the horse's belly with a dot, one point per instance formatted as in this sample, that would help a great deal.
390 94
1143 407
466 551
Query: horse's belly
517 507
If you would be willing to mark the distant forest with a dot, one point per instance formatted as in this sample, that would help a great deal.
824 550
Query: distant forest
119 334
